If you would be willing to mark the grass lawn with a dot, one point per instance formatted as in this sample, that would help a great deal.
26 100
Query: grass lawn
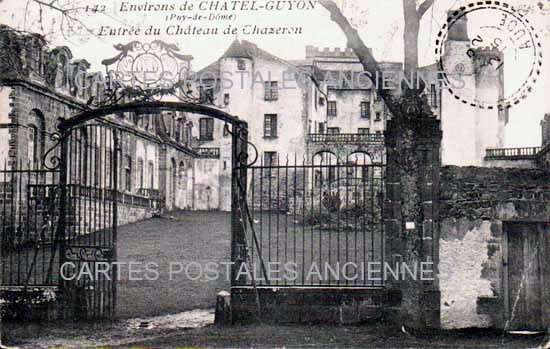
183 238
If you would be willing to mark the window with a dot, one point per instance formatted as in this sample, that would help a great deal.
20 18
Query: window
378 116
365 110
363 131
206 95
35 134
331 108
271 91
151 170
347 80
206 129
241 64
140 173
128 173
270 125
270 158
333 130
321 127
32 146
321 101
433 96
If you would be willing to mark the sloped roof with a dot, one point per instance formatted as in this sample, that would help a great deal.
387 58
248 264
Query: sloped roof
242 49
212 69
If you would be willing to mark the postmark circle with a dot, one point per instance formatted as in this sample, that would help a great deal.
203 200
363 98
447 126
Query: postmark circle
503 41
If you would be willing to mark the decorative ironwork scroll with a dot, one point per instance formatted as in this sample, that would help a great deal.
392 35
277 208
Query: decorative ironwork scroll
148 72
51 160
88 254
242 157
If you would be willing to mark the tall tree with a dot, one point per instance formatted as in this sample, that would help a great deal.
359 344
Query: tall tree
412 156
412 14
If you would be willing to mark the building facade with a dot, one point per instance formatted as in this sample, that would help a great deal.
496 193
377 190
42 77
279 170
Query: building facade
323 102
161 159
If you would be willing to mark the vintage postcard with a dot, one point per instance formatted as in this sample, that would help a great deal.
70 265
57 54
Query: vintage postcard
274 173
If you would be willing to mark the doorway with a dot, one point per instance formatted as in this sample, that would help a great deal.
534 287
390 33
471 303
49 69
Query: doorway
527 275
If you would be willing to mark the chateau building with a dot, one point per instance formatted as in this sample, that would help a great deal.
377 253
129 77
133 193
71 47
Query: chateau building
312 109
322 104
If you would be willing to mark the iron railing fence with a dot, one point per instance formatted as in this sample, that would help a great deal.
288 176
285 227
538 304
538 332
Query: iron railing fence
528 153
29 213
96 156
346 138
315 224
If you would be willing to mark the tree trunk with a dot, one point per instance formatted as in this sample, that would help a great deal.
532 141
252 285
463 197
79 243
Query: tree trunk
410 40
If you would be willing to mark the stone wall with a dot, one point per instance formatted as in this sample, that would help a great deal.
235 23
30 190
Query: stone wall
474 205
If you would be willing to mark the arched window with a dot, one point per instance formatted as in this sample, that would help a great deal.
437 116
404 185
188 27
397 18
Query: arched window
32 143
151 173
360 162
174 175
325 166
35 144
78 165
141 175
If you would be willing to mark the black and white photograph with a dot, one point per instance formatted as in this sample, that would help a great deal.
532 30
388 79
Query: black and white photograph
274 174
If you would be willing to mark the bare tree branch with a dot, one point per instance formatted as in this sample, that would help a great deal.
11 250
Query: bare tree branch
369 63
424 7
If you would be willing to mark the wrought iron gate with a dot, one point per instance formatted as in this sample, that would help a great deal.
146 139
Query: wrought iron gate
311 223
29 213
88 227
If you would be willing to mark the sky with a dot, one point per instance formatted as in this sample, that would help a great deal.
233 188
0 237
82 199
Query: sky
380 23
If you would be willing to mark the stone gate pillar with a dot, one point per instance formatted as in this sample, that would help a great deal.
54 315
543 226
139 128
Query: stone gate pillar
411 220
